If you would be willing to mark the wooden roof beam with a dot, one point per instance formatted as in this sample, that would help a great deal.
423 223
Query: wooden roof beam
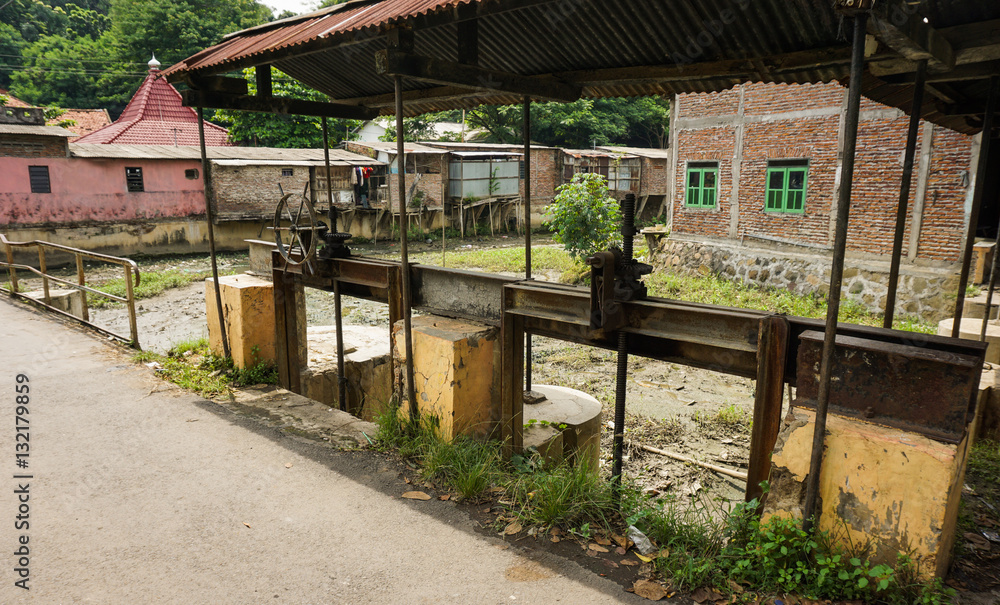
899 26
427 69
975 71
276 105
972 43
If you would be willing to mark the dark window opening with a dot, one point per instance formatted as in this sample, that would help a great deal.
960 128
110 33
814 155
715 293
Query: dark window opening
133 180
191 173
39 177
287 172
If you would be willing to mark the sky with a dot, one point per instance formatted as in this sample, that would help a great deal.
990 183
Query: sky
296 6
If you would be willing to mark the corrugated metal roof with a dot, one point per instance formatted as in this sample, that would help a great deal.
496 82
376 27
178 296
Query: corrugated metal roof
187 152
334 50
44 131
390 147
645 152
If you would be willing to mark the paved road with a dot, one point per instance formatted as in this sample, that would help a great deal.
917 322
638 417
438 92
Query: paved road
142 493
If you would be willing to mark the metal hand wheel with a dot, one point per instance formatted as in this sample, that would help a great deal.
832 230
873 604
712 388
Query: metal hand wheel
301 232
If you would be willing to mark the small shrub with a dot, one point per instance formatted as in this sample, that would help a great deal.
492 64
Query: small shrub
583 217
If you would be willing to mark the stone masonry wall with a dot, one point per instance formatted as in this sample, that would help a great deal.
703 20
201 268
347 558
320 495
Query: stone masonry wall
925 292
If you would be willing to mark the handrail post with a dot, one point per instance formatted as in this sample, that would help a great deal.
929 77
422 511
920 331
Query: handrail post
81 279
45 277
11 271
133 326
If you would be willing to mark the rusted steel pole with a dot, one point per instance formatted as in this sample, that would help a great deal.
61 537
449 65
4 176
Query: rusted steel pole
996 253
82 280
338 319
811 514
621 377
405 260
206 179
527 228
904 192
977 202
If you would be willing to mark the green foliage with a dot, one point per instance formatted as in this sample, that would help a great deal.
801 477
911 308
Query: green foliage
468 466
192 365
150 284
271 130
418 128
583 217
53 75
640 122
566 495
501 260
717 290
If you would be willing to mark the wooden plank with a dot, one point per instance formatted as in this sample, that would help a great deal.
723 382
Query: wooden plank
772 346
512 383
280 322
901 27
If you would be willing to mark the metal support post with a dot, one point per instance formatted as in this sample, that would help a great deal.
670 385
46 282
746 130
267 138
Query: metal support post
811 514
904 192
996 255
338 318
621 377
527 228
405 258
206 179
977 202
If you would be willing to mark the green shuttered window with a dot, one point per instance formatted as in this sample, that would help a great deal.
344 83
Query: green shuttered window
786 186
702 185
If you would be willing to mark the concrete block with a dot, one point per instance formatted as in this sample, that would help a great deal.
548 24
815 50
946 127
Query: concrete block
366 367
983 260
453 367
248 302
67 301
547 441
581 415
898 489
971 329
260 257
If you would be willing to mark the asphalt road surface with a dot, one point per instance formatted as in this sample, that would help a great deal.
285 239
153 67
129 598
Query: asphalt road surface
134 491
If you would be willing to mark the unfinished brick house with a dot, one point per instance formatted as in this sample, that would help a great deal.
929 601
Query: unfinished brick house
755 175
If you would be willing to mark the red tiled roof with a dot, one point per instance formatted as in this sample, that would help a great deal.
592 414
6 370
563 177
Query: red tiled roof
87 120
156 116
13 101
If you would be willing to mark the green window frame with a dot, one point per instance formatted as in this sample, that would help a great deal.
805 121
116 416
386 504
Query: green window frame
702 185
787 183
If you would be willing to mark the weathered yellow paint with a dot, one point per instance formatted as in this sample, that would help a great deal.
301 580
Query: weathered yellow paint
248 302
453 370
899 490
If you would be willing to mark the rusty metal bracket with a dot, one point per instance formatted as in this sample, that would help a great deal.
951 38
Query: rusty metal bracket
909 387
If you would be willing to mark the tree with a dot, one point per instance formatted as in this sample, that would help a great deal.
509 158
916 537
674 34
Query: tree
172 30
55 75
583 217
11 44
639 122
270 130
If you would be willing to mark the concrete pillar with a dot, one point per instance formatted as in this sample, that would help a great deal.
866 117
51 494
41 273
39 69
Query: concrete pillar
454 372
249 304
899 489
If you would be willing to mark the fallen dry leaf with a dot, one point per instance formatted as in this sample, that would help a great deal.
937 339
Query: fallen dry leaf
555 539
513 528
629 562
445 497
247 524
428 485
602 541
620 550
644 558
416 496
700 595
555 531
289 465
407 480
735 587
597 548
621 540
610 564
591 553
649 590
496 490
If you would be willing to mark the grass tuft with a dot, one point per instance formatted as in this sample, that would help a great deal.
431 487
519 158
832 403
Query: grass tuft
151 284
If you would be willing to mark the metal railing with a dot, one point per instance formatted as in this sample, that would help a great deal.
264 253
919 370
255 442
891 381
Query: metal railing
127 265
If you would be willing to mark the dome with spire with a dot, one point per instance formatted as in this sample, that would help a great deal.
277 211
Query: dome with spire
157 116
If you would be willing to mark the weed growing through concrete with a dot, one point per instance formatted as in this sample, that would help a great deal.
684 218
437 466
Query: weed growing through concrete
191 365
150 284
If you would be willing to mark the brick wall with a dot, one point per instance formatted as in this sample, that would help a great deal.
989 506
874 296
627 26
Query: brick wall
653 179
33 146
700 145
252 191
812 133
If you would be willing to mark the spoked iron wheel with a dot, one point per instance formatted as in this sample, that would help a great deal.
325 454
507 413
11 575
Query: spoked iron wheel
295 229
